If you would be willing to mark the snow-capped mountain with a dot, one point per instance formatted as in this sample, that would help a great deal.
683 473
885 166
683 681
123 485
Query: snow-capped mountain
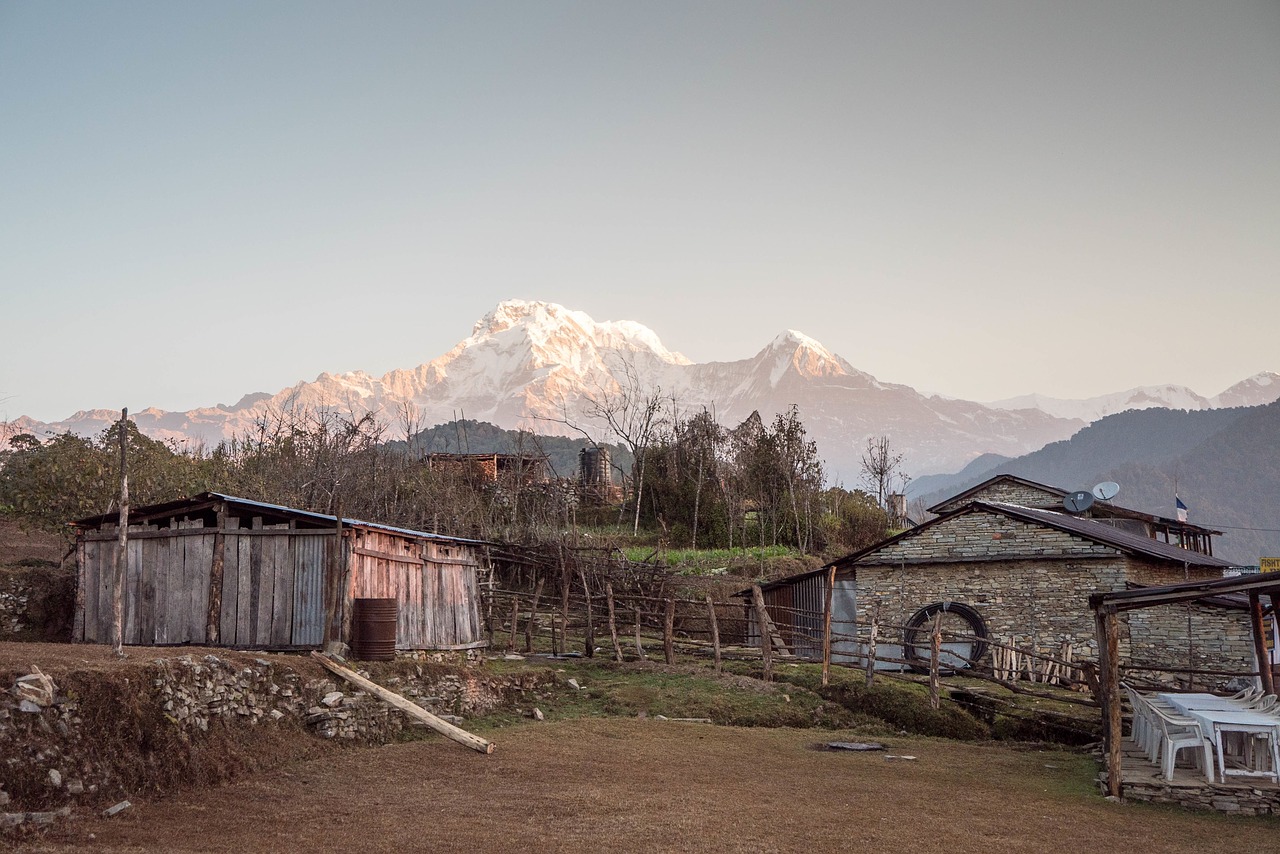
534 364
1257 390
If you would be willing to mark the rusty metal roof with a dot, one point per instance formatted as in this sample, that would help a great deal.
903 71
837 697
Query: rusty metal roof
205 500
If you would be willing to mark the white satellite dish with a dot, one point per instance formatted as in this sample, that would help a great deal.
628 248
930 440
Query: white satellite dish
1106 490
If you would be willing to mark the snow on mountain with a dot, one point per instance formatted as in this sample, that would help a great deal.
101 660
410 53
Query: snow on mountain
533 364
1092 408
1257 390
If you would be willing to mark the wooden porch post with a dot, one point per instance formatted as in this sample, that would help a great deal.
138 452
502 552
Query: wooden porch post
1260 643
1108 629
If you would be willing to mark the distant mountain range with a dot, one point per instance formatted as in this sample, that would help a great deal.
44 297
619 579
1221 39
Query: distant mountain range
1256 390
532 365
1223 463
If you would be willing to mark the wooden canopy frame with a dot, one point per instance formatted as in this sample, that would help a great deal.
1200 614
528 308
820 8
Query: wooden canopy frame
1107 607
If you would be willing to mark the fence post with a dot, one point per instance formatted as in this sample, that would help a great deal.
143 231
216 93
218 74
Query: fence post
935 652
871 645
515 620
589 641
762 622
715 631
533 616
613 623
826 628
639 646
668 631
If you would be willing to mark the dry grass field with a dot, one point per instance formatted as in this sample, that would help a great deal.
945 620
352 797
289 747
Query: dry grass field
650 785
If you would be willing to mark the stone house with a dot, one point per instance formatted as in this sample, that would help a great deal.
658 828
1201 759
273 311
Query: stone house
1011 489
1027 572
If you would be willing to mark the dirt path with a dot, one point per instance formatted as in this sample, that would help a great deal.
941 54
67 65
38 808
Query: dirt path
627 785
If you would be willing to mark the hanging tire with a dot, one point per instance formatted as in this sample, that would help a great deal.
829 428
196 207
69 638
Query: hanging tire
917 636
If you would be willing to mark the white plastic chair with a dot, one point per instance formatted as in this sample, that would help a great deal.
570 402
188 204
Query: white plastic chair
1141 729
1179 733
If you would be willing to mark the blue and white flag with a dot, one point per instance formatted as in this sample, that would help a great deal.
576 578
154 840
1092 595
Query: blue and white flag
1182 508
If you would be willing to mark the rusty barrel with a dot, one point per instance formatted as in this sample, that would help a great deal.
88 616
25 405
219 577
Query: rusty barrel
373 629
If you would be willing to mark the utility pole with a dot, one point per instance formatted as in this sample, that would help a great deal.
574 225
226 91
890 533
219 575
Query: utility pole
122 554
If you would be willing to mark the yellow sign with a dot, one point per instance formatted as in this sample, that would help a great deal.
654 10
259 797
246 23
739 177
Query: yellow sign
1269 564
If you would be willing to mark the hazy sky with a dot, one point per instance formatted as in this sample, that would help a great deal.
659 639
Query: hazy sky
199 200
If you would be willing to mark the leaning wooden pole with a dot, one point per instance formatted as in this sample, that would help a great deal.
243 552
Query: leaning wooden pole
122 554
415 711
826 627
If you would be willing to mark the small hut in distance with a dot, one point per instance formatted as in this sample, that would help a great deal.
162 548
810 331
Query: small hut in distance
217 570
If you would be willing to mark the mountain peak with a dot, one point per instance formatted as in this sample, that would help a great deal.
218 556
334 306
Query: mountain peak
795 350
553 331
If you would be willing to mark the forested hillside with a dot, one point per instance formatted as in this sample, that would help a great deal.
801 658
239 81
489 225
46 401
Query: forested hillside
1225 465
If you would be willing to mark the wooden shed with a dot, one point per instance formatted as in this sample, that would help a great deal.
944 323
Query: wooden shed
218 570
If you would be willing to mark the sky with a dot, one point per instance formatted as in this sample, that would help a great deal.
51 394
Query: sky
201 200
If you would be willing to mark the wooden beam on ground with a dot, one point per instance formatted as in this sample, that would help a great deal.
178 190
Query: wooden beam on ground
413 710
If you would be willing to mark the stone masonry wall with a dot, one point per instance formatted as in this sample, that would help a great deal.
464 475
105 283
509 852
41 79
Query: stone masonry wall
1029 603
986 535
1009 492
1220 639
51 758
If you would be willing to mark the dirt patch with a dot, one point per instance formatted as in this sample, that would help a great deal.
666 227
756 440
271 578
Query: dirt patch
621 785
19 544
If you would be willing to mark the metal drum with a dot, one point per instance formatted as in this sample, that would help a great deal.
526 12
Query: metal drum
373 629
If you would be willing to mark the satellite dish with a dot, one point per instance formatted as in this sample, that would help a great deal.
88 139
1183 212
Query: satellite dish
1106 490
1078 502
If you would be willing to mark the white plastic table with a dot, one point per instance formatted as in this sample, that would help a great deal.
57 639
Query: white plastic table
1215 724
1186 703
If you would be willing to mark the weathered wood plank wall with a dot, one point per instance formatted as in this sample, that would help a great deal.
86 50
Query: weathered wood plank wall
272 585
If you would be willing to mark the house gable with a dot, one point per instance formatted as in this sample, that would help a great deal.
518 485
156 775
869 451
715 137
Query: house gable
1005 489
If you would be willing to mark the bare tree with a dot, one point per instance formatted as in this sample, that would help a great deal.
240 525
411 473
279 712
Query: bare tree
881 467
632 412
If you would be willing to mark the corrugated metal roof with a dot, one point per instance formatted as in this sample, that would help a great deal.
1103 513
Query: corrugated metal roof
1103 509
1101 532
205 498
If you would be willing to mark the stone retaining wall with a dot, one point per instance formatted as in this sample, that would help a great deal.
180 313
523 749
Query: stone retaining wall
60 752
